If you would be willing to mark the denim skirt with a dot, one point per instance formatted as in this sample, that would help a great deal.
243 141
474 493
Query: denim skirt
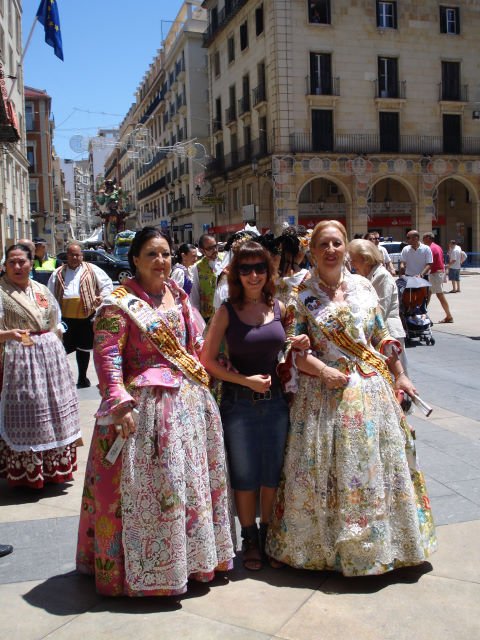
255 431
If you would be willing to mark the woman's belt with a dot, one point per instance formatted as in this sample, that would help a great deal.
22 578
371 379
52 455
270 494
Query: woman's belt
38 333
240 392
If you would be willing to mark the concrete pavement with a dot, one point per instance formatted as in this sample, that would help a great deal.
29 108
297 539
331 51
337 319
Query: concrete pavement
41 596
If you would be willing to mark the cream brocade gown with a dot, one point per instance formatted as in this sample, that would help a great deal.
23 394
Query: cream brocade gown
352 498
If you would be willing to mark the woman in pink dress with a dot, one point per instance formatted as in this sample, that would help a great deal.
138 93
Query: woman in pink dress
158 516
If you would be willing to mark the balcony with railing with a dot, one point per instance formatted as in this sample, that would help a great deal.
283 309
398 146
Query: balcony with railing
240 157
259 94
223 18
360 143
327 87
451 92
230 114
244 105
151 108
153 188
216 125
395 90
181 100
179 67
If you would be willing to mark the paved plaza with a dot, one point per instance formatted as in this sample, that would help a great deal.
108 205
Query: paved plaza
42 597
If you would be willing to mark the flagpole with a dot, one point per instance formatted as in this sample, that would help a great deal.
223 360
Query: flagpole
20 64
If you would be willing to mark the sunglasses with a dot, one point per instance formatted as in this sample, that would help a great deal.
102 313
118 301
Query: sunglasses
211 249
259 267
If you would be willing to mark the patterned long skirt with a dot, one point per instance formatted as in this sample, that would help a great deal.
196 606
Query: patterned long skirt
159 515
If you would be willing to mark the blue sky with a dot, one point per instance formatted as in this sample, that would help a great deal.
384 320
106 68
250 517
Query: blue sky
107 46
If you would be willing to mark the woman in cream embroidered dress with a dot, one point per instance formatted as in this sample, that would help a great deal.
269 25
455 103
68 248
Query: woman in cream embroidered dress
159 515
351 498
39 422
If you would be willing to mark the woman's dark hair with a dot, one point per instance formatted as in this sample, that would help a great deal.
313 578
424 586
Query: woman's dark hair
141 237
245 251
290 249
182 250
22 247
239 235
271 244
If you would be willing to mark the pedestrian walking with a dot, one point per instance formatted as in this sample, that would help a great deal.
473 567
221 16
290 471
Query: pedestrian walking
455 259
79 288
436 276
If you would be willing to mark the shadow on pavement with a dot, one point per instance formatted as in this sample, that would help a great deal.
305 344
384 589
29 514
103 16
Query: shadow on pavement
24 495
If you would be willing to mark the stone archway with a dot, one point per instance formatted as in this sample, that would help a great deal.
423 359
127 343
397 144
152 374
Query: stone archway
392 205
322 198
457 205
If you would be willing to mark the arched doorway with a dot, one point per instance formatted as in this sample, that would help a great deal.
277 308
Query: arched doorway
321 199
392 209
455 213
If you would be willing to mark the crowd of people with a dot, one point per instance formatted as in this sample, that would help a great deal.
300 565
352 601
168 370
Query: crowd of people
264 379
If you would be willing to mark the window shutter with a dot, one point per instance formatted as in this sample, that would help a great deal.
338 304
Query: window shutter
395 22
443 19
457 15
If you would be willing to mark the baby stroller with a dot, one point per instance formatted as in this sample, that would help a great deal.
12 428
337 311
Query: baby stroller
413 298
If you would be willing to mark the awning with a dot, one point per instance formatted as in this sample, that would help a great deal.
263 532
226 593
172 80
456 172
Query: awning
8 117
97 236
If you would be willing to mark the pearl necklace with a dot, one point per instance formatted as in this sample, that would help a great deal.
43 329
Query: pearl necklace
156 297
334 287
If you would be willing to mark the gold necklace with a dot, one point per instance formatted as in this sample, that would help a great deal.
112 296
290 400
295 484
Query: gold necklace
330 286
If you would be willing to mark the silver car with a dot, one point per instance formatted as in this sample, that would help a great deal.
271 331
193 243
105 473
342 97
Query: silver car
394 249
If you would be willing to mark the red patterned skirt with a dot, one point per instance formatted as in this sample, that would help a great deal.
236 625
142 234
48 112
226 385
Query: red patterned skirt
34 469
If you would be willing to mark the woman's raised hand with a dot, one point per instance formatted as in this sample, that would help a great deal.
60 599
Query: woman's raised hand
259 383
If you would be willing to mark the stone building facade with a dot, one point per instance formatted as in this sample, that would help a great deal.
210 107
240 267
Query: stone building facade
366 111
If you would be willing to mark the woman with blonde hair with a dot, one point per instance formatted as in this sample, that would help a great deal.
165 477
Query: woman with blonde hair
350 499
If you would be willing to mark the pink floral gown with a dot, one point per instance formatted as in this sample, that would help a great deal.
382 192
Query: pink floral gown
160 514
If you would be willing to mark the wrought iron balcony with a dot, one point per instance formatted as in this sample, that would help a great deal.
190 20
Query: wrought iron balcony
328 87
230 114
243 105
450 92
216 125
360 143
259 94
222 19
397 90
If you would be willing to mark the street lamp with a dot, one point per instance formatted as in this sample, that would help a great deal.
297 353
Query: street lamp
451 201
198 190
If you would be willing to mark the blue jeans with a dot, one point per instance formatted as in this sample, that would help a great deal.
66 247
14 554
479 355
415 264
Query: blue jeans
255 437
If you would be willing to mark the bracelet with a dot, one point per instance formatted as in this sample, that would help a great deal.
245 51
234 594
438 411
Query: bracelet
400 373
322 370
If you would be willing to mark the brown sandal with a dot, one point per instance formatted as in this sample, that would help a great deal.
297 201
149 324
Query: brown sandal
275 564
252 557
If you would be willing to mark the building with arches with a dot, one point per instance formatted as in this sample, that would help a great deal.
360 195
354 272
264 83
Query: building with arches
366 111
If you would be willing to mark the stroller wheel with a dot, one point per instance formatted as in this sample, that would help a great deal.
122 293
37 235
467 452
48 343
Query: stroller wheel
432 341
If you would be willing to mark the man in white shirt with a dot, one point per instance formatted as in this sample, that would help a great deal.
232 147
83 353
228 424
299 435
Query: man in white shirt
79 288
454 263
416 258
374 237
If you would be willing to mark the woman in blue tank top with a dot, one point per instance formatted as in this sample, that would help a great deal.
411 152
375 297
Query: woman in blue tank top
254 411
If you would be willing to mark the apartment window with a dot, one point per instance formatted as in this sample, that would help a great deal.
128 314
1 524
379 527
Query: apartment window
319 12
214 18
389 124
236 199
231 49
247 140
216 63
387 78
259 20
31 158
33 188
243 36
262 135
386 15
452 133
450 80
29 116
450 20
234 148
320 74
322 130
218 114
245 94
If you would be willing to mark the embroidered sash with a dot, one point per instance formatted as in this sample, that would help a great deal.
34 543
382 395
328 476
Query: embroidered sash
335 330
159 334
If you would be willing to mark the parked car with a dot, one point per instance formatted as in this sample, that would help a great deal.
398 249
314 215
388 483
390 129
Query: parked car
394 249
117 269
